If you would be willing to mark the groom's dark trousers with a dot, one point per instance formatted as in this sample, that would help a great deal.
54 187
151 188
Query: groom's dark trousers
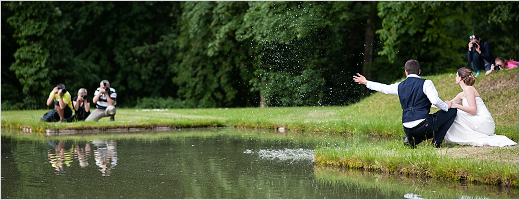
435 126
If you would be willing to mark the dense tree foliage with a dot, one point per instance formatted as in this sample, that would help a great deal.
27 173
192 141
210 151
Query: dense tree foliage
212 69
236 54
436 33
81 43
499 27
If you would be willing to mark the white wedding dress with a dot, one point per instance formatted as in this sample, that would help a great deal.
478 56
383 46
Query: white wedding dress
475 130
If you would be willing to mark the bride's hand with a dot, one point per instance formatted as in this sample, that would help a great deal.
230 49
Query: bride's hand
448 103
454 105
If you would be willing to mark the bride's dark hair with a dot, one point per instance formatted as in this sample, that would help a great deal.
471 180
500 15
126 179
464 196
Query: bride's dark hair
466 75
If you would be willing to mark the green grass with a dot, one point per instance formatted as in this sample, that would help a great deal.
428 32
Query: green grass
376 115
425 161
389 185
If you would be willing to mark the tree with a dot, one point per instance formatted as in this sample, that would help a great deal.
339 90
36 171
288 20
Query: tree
96 40
293 41
499 27
12 98
111 41
234 54
43 51
436 33
213 64
429 32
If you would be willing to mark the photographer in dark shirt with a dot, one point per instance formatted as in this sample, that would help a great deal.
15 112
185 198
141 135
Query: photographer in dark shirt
81 106
479 54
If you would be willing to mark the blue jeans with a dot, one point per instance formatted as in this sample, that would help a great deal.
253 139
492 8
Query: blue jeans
435 126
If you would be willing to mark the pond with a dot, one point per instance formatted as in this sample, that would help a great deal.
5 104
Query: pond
223 163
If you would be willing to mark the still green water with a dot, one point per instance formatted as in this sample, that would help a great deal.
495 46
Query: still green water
202 164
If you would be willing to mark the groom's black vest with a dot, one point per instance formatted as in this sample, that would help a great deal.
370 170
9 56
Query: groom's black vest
414 102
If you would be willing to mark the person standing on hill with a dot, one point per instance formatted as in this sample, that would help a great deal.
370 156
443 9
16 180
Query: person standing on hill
417 96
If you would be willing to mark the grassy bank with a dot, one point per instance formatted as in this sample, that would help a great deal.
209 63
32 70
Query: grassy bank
389 185
425 161
377 115
490 165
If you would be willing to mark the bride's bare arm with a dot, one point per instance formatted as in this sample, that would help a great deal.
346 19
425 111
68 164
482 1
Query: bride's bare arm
458 99
469 93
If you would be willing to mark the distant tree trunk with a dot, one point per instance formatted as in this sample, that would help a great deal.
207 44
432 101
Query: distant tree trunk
262 101
369 47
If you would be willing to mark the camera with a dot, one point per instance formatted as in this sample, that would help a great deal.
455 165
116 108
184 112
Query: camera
497 67
84 96
63 90
475 44
105 86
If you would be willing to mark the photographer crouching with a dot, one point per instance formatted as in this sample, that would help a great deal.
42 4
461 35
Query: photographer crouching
62 105
81 106
479 54
105 100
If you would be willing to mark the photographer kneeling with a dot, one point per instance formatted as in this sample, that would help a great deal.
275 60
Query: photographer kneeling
105 100
479 54
62 105
81 106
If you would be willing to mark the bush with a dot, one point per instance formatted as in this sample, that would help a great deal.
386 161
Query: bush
27 104
9 105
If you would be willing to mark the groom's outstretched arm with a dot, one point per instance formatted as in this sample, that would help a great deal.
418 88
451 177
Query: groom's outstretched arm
384 88
360 79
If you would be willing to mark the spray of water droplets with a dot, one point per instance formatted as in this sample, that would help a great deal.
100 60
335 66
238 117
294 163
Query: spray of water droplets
284 154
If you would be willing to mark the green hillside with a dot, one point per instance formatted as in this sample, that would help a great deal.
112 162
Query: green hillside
378 114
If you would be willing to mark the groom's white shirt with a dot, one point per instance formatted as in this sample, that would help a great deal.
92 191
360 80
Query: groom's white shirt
428 89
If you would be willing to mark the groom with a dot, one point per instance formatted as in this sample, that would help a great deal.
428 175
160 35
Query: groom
417 96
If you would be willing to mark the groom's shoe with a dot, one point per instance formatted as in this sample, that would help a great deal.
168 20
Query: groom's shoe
408 143
436 145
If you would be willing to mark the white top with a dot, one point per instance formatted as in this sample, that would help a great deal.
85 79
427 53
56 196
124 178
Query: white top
428 89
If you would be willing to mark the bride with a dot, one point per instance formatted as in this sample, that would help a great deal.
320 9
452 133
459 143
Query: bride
473 124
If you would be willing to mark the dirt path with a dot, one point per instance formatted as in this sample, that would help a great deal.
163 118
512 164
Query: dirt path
485 153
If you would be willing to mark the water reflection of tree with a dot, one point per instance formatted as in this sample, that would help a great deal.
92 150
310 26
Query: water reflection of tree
105 155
